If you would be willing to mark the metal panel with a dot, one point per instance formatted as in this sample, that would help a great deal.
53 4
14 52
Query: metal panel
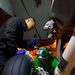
6 5
63 10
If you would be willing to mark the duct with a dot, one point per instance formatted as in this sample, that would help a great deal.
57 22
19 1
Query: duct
6 5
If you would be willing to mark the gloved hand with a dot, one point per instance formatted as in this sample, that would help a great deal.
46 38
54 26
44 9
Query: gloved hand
34 41
22 51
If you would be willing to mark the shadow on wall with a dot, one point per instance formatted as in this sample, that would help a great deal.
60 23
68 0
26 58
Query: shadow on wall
3 16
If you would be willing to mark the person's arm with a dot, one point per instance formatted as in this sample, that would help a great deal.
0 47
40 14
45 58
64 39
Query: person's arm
10 35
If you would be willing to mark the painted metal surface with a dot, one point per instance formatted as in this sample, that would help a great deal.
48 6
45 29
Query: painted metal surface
63 10
6 5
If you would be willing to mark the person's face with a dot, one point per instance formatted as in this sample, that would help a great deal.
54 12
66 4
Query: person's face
30 24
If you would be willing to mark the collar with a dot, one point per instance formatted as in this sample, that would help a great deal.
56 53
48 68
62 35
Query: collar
23 24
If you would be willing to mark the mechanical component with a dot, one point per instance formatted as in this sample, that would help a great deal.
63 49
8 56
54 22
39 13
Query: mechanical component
49 25
67 62
43 52
41 71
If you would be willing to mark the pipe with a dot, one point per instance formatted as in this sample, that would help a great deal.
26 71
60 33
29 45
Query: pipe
67 61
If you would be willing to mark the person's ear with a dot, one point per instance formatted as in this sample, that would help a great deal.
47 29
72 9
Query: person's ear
28 20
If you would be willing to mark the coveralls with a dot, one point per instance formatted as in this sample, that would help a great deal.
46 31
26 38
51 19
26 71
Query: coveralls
11 36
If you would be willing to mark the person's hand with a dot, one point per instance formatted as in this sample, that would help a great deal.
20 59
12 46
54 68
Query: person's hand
34 41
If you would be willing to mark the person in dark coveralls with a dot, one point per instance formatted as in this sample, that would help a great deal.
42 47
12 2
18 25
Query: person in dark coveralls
11 37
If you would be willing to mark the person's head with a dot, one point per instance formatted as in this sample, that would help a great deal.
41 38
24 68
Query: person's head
30 23
43 54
